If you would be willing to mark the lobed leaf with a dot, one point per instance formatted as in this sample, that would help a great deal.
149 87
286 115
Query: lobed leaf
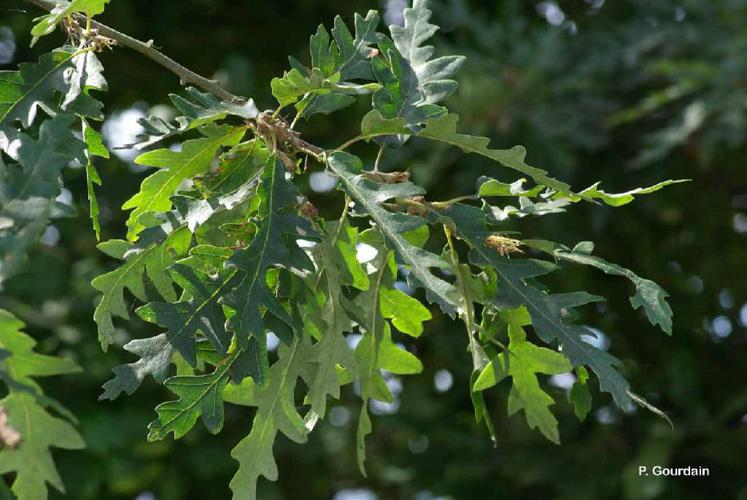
649 295
47 23
198 109
277 219
30 188
327 86
32 460
65 73
444 129
276 412
149 258
175 167
155 358
198 311
412 83
522 362
94 147
199 396
544 309
370 196
580 397
36 429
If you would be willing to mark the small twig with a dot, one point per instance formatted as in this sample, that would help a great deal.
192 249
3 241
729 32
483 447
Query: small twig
468 313
295 120
501 345
347 144
185 75
378 158
278 135
447 203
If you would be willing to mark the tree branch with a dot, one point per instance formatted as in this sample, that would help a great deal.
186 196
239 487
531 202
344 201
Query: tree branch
185 75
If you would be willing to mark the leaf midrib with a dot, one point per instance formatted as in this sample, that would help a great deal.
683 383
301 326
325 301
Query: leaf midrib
215 143
35 85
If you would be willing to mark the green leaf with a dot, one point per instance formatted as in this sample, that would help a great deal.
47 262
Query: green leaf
139 259
326 87
242 394
198 311
175 167
168 236
270 247
546 310
471 291
23 363
480 407
238 174
395 359
412 83
444 129
374 125
88 75
618 199
325 356
370 196
648 294
30 188
356 52
276 412
324 310
294 85
198 109
42 84
336 258
376 350
346 57
31 460
325 56
325 104
522 363
363 429
488 187
406 313
155 358
47 23
367 313
199 396
94 147
580 397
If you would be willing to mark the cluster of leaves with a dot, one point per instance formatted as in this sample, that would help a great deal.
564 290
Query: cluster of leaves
222 249
45 110
28 426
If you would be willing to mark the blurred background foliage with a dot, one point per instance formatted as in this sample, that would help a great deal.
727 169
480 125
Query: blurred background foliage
626 92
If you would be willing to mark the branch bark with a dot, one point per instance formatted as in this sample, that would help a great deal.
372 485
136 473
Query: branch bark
185 75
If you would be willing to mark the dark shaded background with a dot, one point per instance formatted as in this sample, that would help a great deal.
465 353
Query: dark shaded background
627 92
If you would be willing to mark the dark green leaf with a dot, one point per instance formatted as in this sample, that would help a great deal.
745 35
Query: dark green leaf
370 196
